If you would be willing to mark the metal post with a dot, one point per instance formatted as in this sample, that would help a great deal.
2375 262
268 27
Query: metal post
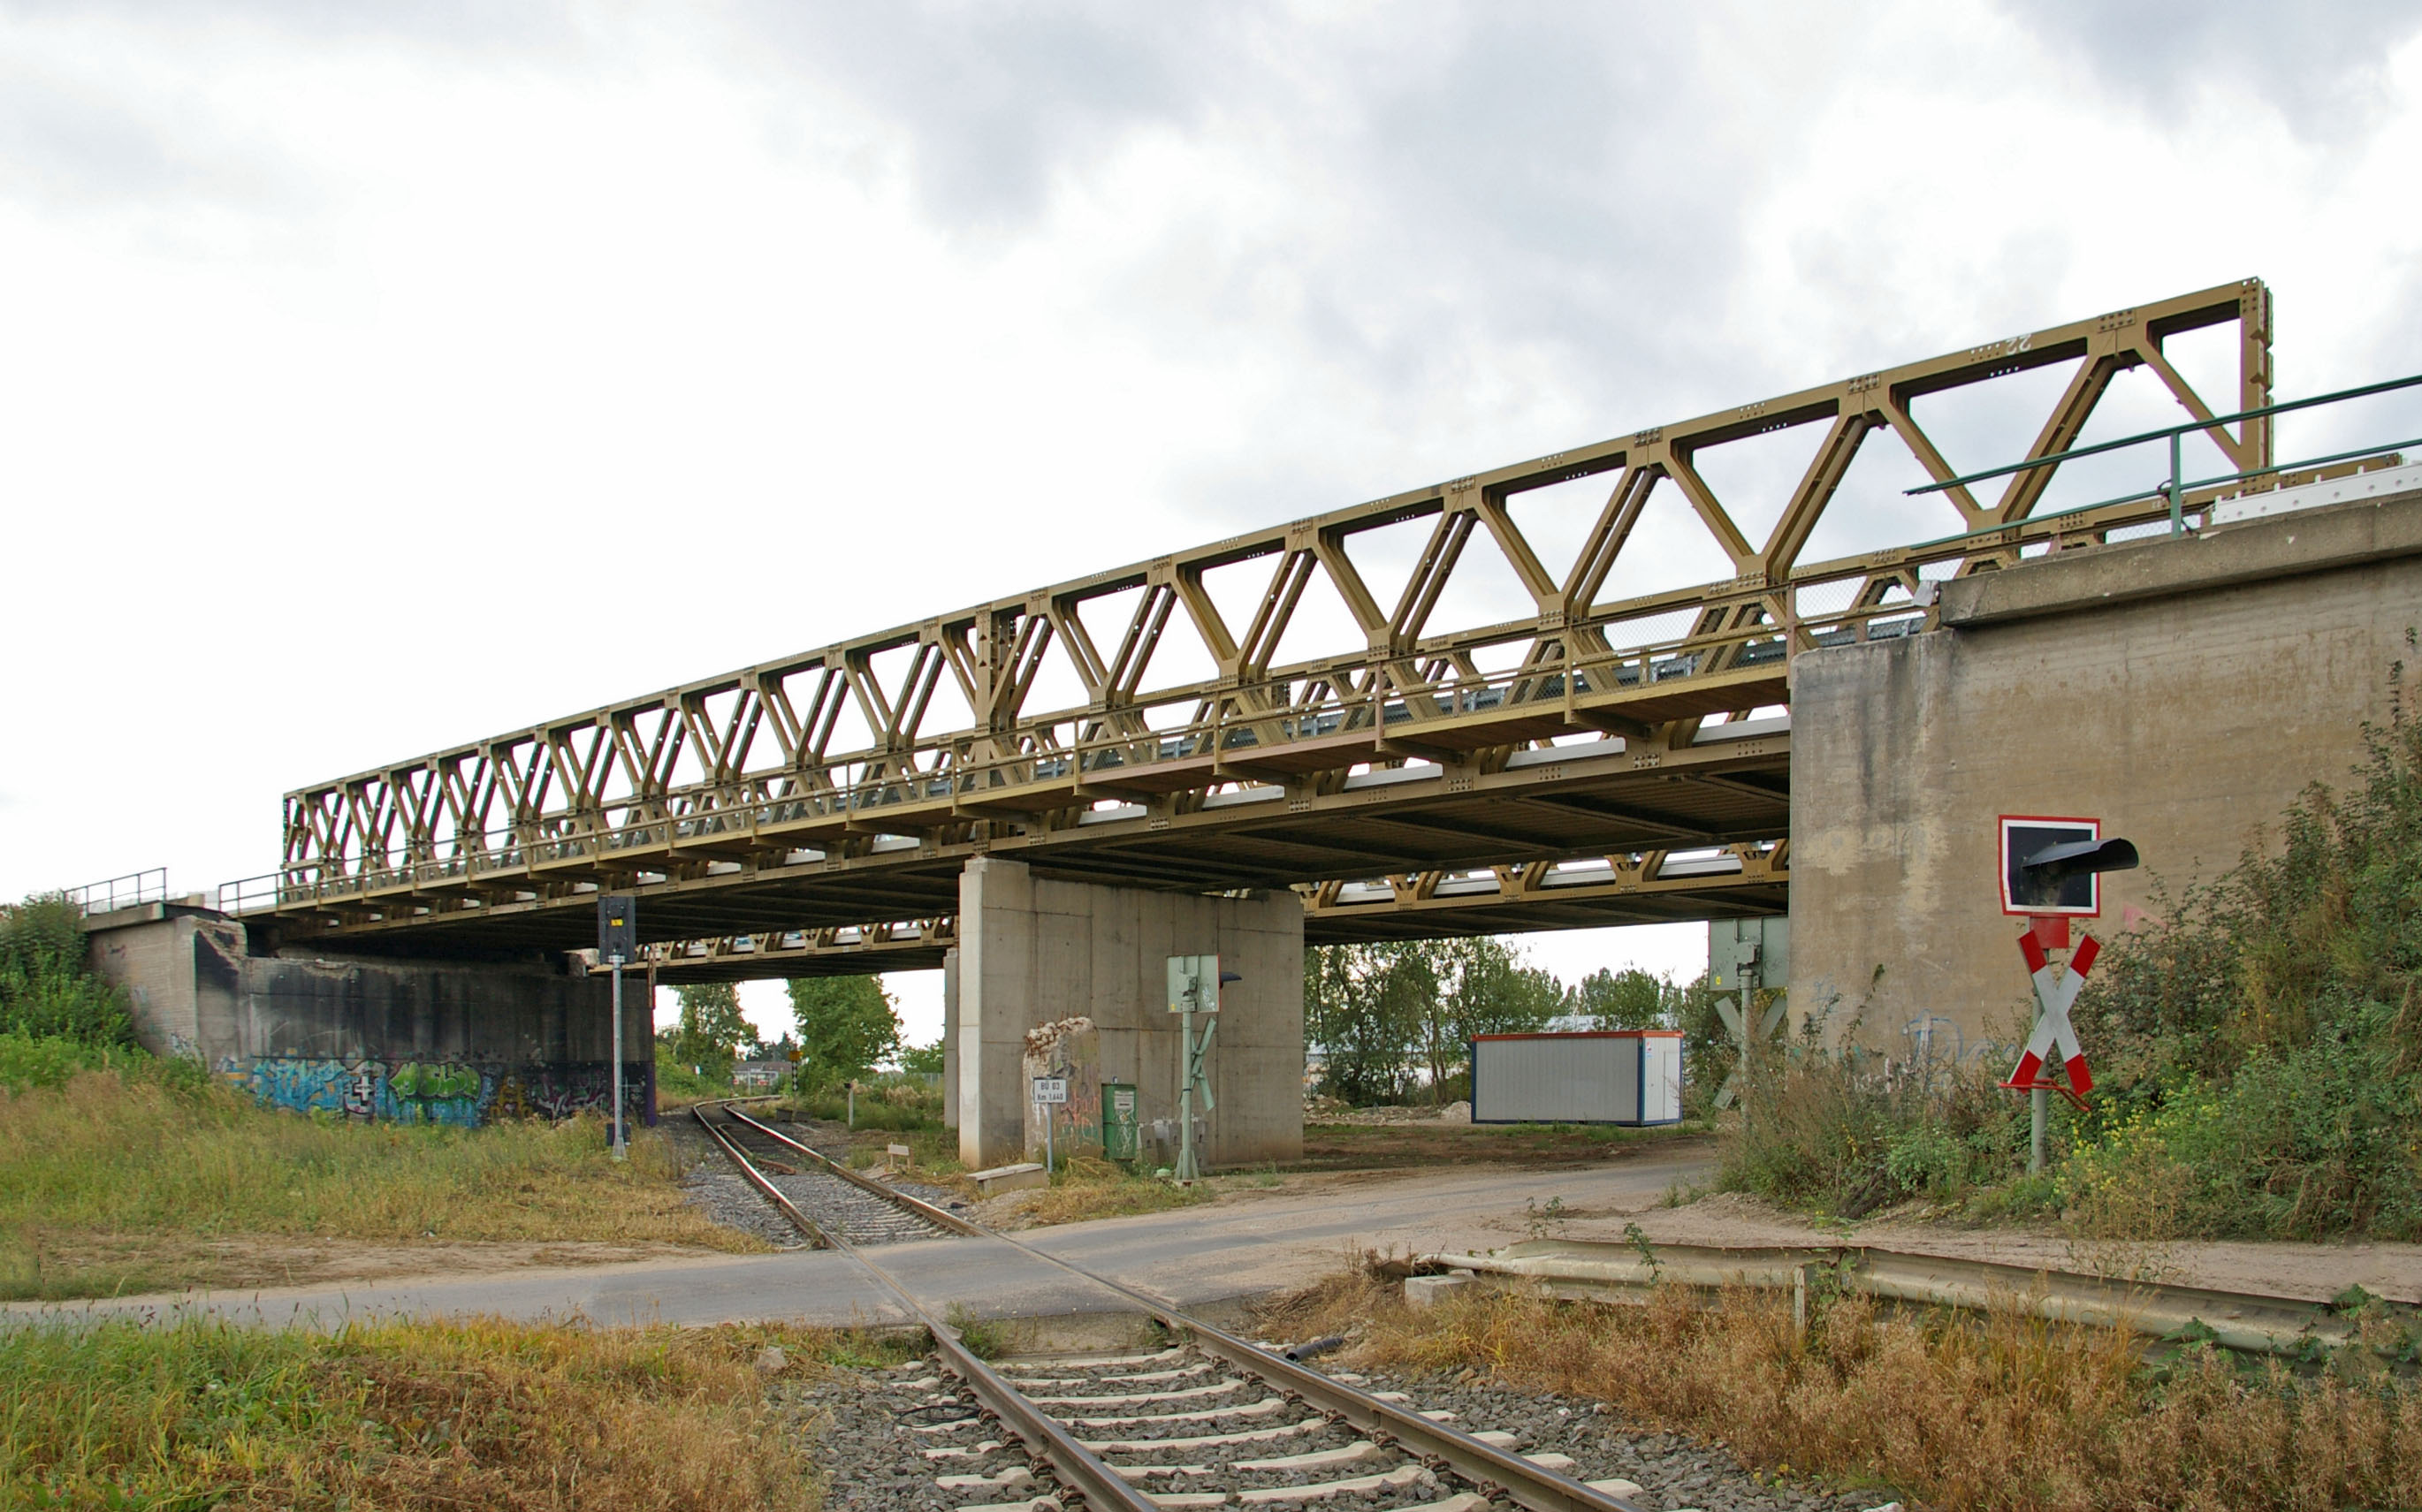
2038 1106
1186 1095
619 1150
1048 1123
2178 527
852 1104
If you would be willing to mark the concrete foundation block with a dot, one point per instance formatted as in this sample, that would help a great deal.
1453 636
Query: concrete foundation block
1017 1177
1426 1292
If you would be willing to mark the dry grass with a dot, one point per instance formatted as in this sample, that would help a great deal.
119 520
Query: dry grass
1998 1413
1086 1187
400 1416
106 1156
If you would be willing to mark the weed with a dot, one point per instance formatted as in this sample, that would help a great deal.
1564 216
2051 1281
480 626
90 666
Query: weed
1087 1187
405 1415
1993 1414
985 1340
138 1153
1542 1222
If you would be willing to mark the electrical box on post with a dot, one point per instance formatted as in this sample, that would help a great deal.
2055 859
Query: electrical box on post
618 929
1194 984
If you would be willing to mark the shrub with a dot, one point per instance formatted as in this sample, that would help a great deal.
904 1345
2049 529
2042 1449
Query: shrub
45 991
2262 1045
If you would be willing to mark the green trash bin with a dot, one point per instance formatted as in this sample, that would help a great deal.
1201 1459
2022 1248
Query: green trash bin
1119 1120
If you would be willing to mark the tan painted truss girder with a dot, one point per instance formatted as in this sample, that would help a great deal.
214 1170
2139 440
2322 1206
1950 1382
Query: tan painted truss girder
741 771
1747 880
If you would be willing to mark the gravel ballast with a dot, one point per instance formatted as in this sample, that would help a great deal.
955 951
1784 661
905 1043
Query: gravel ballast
869 1431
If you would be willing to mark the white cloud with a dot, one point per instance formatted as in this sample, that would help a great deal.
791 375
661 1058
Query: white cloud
376 384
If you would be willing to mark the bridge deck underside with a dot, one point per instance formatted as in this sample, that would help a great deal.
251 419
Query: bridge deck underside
1562 908
1709 797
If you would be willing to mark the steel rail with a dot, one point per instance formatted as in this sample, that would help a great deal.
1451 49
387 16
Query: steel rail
1077 1467
1492 1470
918 1206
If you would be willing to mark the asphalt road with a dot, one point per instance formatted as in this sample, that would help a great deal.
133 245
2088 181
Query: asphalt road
1249 1242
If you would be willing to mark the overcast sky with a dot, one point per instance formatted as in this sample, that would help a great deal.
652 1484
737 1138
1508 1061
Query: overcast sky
377 378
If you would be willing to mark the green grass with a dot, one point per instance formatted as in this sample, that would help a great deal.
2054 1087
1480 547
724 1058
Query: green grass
405 1415
888 1102
129 1169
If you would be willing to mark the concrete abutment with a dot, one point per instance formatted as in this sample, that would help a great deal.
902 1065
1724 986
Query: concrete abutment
376 1037
2183 691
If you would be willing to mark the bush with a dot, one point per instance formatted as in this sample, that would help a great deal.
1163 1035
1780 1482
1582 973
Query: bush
899 1101
45 991
2263 1043
1848 1129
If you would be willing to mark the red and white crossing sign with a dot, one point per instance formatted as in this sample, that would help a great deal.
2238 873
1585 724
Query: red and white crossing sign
2055 992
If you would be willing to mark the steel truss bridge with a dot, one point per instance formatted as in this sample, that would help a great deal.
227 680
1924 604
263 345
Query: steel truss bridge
1593 761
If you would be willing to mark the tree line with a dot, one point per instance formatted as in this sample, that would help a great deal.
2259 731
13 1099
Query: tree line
1391 1021
844 1027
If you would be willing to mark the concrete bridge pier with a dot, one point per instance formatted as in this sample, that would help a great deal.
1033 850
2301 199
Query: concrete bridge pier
1057 976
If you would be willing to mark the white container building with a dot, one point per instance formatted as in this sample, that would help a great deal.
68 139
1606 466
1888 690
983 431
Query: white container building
1604 1076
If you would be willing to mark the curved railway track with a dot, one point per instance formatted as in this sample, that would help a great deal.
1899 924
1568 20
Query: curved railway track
1211 1420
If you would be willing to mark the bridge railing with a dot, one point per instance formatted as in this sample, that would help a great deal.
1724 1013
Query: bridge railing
133 890
2179 489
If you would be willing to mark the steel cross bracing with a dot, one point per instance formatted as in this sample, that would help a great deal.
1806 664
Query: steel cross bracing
810 793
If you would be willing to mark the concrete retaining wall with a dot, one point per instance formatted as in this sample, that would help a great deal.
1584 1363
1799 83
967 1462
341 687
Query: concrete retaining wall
2181 692
455 1042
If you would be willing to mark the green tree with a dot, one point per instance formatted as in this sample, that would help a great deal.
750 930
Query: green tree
925 1059
847 1027
1627 998
711 1029
1362 1008
1485 988
1383 1016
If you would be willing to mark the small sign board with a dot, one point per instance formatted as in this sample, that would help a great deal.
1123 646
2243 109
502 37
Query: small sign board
1050 1089
1193 983
2024 836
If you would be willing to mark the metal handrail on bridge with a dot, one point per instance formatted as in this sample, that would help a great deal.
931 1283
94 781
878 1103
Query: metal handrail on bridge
2176 490
133 890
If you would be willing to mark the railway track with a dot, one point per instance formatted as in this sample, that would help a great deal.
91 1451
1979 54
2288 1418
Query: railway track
1208 1420
833 1199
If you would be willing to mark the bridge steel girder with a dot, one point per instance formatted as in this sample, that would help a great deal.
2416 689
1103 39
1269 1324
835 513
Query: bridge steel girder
1744 880
808 794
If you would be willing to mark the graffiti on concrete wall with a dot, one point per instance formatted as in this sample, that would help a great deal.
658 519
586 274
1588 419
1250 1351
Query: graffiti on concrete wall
462 1094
